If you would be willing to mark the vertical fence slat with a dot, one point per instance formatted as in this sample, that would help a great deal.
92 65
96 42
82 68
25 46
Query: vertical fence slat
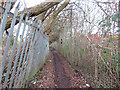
2 27
9 38
23 52
23 61
119 46
29 49
12 54
32 43
4 20
29 65
21 57
19 48
37 53
34 38
14 45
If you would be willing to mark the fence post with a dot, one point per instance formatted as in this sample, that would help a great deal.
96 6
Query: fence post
1 63
119 45
4 20
19 48
21 56
29 54
29 49
2 27
31 60
30 40
15 41
8 44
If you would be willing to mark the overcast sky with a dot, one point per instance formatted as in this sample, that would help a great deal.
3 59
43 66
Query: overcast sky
31 3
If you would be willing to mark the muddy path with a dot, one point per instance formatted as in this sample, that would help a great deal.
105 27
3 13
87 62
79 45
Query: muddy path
61 80
58 73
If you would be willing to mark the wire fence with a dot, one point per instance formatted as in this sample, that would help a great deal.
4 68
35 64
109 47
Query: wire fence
21 55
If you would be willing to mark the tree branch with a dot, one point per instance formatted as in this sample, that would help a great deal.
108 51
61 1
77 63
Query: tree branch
37 10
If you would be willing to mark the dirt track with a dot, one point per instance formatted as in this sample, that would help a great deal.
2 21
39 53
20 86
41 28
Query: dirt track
58 73
61 80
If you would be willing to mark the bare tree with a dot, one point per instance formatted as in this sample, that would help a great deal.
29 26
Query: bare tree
46 11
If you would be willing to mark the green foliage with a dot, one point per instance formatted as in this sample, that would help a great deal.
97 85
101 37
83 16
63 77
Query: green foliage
104 51
36 80
38 73
18 42
81 52
110 39
118 68
95 81
81 49
109 24
115 62
31 79
105 34
114 58
114 17
106 20
12 41
106 23
76 44
101 22
66 45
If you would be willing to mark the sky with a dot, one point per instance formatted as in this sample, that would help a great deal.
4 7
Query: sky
31 3
28 3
